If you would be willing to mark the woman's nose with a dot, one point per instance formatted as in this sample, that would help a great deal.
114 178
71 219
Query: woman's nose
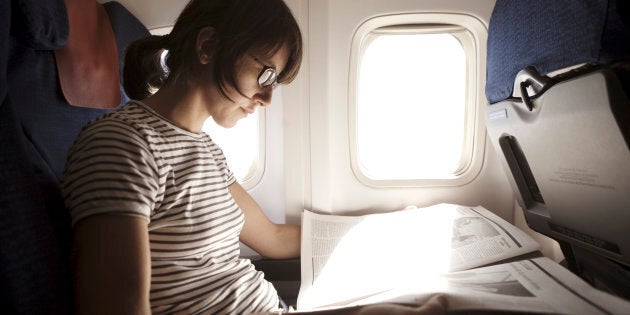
263 97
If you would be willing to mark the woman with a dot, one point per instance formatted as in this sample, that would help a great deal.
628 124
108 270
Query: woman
157 213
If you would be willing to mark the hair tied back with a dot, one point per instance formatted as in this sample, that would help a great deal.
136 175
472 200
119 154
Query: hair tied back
165 40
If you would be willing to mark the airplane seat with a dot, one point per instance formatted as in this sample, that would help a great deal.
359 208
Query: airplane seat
558 88
37 126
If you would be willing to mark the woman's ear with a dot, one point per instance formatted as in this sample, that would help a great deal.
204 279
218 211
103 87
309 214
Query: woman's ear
205 44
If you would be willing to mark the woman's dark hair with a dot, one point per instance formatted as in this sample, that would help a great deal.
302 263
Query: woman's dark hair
240 27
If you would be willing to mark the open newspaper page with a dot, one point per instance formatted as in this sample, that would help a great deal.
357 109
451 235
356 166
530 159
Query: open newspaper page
346 258
533 286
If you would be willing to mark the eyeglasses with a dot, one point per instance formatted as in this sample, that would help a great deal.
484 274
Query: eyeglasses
268 77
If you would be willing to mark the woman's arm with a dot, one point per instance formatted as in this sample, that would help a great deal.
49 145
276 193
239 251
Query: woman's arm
271 240
112 265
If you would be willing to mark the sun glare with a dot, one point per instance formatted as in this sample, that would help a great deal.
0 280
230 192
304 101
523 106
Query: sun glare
384 252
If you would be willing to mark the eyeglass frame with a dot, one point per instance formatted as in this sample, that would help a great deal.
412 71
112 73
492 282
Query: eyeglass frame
267 71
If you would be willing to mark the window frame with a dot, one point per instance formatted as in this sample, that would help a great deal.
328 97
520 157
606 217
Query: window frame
471 33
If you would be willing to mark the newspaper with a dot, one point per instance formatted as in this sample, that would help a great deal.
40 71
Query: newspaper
368 259
533 286
346 258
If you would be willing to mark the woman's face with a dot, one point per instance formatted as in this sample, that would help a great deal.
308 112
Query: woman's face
227 113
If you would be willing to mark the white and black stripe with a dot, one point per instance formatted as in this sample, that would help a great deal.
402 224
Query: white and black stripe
134 162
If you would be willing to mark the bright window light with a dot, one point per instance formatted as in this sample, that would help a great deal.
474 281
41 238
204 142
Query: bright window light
411 106
240 144
363 256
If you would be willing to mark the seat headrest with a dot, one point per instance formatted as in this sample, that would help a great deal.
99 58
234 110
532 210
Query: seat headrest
552 35
127 28
88 64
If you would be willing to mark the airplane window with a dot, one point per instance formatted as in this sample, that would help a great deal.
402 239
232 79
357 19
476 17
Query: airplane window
411 105
242 146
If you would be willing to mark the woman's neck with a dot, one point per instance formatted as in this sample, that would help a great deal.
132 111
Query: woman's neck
180 105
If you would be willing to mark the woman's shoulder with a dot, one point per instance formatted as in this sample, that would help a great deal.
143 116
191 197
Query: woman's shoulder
133 114
132 119
129 125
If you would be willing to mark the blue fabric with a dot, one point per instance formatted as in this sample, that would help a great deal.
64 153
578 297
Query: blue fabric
127 28
37 127
34 262
40 24
551 35
49 122
34 231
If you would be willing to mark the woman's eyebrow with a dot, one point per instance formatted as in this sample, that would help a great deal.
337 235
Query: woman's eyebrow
268 63
265 60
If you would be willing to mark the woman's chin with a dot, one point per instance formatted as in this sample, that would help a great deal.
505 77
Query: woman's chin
228 123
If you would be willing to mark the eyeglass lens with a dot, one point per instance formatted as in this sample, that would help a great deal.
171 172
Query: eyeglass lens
267 77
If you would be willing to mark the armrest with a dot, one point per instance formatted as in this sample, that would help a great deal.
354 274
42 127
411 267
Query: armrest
284 274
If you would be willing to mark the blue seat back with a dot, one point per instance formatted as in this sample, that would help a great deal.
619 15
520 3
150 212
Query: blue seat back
552 35
564 138
37 127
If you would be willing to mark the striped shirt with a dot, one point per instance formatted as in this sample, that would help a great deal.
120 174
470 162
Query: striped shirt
134 162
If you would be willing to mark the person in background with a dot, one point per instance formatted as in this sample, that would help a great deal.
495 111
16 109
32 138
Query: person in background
156 212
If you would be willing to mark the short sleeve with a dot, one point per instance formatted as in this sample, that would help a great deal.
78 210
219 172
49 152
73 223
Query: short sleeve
110 170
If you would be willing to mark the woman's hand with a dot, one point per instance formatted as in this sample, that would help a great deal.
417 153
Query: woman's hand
434 306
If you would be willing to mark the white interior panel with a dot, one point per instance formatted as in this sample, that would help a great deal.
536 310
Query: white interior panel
154 13
334 188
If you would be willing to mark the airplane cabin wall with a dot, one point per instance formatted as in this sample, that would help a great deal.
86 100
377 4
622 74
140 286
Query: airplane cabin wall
318 174
322 97
308 163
